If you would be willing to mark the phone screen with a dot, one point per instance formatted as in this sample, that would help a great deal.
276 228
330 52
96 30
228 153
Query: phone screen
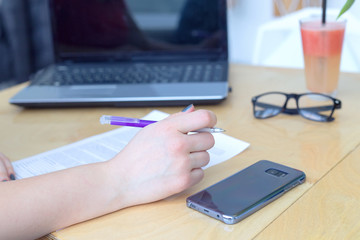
241 194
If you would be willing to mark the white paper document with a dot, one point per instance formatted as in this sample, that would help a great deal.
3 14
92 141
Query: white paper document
104 146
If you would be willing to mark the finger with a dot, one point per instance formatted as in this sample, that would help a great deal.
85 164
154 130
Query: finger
200 141
192 121
189 108
196 175
199 159
7 168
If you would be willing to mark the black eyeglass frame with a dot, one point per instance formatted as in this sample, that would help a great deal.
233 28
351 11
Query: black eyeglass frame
295 111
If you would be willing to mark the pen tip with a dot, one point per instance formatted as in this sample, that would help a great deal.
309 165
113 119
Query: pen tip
219 130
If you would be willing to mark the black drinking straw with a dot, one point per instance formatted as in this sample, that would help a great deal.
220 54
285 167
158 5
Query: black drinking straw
323 11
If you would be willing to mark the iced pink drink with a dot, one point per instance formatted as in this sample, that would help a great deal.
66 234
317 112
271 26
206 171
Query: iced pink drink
322 46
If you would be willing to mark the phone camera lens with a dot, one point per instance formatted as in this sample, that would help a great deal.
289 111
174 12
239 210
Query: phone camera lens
272 171
276 172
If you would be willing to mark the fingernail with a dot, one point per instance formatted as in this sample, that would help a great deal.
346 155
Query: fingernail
187 108
12 177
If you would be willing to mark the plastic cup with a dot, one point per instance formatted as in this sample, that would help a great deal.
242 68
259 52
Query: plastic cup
322 47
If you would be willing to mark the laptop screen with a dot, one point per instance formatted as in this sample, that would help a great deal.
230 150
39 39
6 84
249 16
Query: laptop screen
138 29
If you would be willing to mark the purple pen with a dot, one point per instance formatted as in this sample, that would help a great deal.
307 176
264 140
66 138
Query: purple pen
135 122
124 121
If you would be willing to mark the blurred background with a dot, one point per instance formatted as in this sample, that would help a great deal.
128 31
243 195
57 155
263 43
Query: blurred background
261 32
266 32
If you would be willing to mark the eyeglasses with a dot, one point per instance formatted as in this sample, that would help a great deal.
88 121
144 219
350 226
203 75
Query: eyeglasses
312 106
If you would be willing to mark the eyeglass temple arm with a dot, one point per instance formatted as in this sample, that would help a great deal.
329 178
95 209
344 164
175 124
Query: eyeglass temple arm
294 111
318 109
291 111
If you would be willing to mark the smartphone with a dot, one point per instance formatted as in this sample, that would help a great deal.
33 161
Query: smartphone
245 192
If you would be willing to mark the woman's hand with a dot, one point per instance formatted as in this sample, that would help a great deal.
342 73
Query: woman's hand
163 159
6 170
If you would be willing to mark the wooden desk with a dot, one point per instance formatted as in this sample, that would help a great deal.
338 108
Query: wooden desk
326 206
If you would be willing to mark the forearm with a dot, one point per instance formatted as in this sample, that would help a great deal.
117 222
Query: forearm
161 160
46 203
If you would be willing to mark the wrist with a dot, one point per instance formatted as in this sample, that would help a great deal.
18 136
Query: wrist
118 184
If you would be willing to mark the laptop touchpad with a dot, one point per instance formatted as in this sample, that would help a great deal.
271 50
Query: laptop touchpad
87 90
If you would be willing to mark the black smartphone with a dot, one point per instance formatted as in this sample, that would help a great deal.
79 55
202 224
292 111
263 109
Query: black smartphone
245 192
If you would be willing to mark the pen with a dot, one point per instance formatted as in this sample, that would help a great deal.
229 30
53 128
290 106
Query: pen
135 122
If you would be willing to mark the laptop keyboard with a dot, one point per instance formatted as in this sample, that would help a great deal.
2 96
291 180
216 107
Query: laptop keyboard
136 73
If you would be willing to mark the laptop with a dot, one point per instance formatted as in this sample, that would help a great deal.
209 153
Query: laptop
133 53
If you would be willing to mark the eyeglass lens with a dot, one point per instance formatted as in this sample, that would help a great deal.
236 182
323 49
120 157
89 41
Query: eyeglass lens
269 105
314 106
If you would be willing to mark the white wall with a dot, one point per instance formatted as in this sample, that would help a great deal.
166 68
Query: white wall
355 8
244 19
